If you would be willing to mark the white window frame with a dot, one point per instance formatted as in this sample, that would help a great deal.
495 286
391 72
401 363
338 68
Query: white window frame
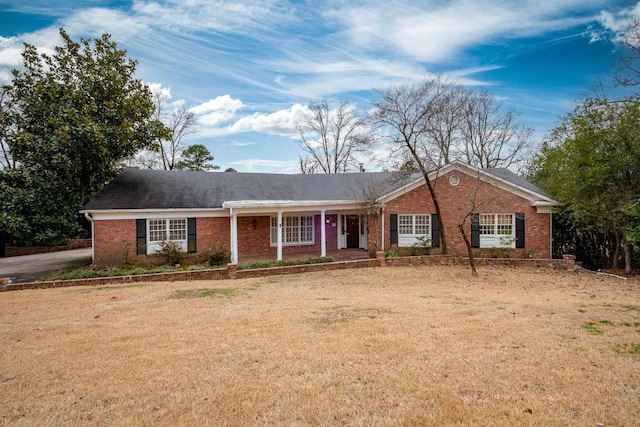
408 225
174 229
297 230
492 227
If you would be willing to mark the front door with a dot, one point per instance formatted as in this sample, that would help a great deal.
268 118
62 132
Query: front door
353 231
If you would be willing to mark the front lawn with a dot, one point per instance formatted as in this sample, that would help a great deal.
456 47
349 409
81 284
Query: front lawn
425 345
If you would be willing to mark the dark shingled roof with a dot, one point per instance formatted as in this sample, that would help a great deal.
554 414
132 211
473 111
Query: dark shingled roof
153 189
516 179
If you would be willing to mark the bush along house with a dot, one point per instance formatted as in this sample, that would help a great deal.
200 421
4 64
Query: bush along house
272 216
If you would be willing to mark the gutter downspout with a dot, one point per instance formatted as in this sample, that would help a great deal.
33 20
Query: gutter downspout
93 246
551 235
382 237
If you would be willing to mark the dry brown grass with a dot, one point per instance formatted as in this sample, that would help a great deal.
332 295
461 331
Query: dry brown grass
380 346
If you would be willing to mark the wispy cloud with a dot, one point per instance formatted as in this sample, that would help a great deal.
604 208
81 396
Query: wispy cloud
437 31
262 165
618 23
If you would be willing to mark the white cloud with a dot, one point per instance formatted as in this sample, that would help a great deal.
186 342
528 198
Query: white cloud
436 31
217 111
619 22
262 165
94 22
158 89
234 17
281 122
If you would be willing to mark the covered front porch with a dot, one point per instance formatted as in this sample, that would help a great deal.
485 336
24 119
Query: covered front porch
298 230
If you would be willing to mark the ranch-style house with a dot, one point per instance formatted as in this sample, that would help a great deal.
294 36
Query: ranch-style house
259 216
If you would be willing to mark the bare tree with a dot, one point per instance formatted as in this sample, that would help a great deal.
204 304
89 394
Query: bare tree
405 113
492 135
444 127
627 67
181 123
332 138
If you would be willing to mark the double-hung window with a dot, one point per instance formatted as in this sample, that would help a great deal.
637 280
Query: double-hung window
296 230
160 230
410 227
497 231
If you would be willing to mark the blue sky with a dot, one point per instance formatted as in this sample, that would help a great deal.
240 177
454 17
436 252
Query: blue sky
249 68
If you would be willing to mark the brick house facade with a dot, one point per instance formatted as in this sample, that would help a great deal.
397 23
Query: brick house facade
272 216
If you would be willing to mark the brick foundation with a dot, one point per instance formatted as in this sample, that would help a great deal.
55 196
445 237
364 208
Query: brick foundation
11 251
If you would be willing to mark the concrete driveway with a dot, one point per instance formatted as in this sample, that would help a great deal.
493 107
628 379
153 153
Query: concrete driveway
28 268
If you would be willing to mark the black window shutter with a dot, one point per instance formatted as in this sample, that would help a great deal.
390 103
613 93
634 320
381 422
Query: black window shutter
520 230
394 229
475 230
435 231
141 236
191 234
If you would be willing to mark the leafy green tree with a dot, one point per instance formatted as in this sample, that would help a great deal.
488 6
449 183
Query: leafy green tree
196 158
74 116
230 170
591 162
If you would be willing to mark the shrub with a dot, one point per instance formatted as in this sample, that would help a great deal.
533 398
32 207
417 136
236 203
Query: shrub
171 250
391 254
422 246
216 256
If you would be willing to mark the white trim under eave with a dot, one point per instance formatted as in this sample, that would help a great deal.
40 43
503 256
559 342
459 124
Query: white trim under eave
252 207
155 213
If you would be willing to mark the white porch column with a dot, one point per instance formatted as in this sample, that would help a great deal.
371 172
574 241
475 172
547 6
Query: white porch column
323 234
234 237
279 258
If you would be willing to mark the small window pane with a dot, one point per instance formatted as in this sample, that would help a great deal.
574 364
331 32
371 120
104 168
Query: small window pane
422 224
505 224
157 230
487 225
405 224
177 229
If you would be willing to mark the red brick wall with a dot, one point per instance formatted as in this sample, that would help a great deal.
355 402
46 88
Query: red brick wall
257 242
73 244
455 203
115 240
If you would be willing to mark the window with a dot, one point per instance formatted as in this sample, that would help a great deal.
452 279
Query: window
296 230
497 230
166 229
410 227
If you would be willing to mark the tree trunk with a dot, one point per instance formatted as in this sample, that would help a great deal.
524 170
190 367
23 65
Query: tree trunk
616 252
467 242
628 256
443 239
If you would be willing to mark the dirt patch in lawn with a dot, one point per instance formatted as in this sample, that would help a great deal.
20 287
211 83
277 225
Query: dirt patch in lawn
378 346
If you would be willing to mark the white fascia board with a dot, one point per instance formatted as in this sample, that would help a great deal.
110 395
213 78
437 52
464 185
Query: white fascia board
544 206
114 214
247 207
